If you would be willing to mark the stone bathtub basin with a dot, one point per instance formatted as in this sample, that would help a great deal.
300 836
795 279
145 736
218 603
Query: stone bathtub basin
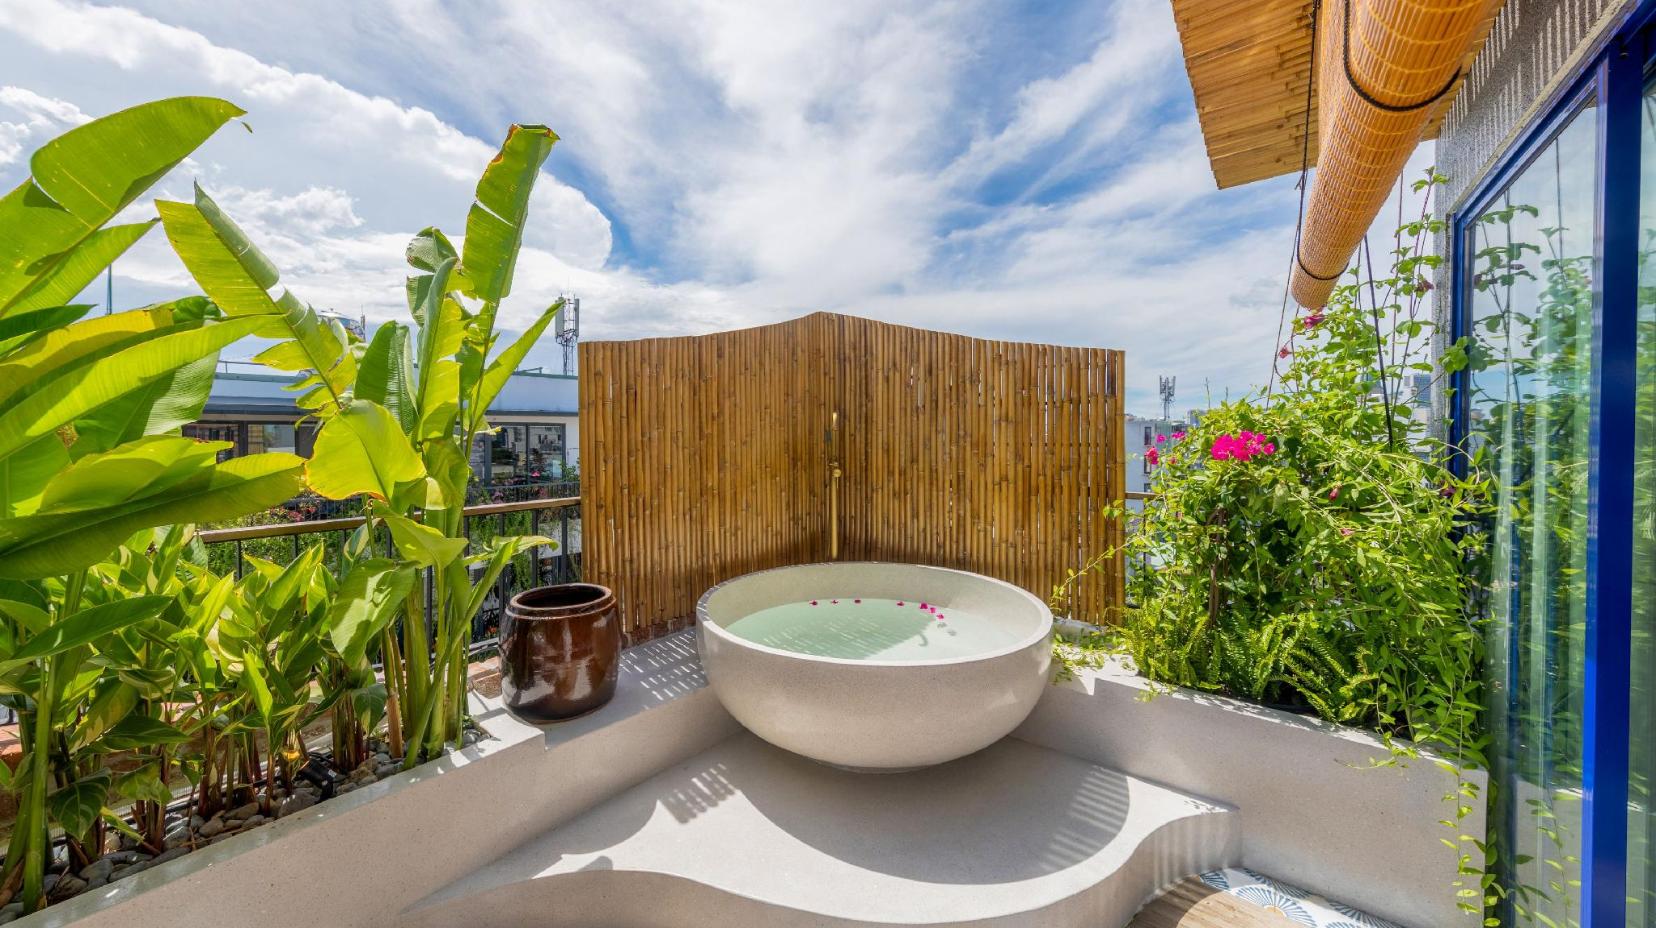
875 666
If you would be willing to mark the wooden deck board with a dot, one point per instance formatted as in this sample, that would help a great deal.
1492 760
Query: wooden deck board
1190 903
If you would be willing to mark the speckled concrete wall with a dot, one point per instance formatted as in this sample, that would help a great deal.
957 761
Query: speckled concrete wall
1534 47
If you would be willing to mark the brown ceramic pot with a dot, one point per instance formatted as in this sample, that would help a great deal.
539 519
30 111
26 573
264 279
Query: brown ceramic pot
560 651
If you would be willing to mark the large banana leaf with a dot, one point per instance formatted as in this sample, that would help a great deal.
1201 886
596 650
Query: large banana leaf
80 267
494 226
81 389
21 328
53 542
437 395
426 251
81 179
31 365
161 407
495 376
238 277
385 375
362 450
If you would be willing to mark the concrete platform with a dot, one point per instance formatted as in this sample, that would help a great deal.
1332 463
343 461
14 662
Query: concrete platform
746 834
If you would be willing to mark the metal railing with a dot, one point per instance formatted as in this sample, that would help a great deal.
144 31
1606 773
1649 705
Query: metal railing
558 519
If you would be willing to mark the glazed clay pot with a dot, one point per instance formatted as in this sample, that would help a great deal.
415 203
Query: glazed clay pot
560 651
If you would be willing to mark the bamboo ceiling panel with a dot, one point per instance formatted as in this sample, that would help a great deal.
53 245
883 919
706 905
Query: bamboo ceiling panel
1249 61
706 457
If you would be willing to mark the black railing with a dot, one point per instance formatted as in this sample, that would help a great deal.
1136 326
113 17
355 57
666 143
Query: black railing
557 518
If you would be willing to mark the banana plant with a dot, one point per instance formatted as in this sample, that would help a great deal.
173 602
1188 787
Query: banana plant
89 457
397 422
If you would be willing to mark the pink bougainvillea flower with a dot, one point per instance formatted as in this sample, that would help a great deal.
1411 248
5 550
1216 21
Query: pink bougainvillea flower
1346 532
1313 320
813 602
1334 493
1153 456
899 602
1178 436
1161 439
1284 352
1242 446
939 616
925 607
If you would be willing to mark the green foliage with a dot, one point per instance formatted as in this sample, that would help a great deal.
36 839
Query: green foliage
87 461
399 416
1329 565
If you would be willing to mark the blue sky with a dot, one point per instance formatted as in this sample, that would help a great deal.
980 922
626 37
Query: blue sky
1026 170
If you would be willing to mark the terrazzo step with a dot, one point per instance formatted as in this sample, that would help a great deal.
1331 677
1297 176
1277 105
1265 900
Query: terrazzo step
747 834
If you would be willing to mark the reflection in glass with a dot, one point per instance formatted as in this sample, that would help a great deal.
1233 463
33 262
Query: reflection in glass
1641 815
1530 329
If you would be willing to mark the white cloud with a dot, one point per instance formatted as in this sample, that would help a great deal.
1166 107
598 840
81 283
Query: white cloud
914 161
43 117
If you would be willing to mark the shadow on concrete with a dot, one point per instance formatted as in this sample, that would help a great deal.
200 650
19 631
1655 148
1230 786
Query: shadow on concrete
1010 812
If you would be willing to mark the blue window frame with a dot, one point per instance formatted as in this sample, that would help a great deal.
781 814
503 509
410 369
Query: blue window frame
1591 723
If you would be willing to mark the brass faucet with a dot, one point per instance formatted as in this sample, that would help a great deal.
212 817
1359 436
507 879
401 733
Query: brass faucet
833 486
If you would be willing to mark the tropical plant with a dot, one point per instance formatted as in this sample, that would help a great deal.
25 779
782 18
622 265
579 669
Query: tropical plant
399 416
88 459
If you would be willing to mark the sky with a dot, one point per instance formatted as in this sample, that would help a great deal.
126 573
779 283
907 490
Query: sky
1029 171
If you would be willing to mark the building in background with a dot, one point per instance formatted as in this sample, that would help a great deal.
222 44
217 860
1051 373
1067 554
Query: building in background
1141 435
536 439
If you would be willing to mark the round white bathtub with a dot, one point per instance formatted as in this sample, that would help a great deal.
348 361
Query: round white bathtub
875 666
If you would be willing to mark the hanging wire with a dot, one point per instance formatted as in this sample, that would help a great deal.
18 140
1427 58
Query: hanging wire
1379 351
1299 216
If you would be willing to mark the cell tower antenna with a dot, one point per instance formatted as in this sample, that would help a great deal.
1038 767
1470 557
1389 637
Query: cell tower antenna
1167 396
568 331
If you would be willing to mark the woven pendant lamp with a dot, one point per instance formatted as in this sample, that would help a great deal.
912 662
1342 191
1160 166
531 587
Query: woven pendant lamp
1383 68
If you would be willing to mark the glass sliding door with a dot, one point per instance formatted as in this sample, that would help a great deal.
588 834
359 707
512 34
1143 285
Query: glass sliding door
1641 814
1529 258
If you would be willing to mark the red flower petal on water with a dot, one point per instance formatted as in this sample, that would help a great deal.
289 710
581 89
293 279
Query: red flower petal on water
925 607
899 602
858 601
833 602
813 602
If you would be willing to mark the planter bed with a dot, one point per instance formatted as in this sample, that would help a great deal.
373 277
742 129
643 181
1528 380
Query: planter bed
1305 808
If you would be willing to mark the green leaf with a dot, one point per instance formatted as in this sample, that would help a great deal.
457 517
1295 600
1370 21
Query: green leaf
238 277
81 179
111 705
500 552
76 806
385 374
57 350
19 329
494 226
252 676
84 388
24 475
370 598
163 406
437 394
495 377
421 544
362 450
138 731
74 271
86 626
50 543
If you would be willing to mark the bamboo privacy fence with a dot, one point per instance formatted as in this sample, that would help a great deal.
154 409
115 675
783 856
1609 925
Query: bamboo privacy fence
707 457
